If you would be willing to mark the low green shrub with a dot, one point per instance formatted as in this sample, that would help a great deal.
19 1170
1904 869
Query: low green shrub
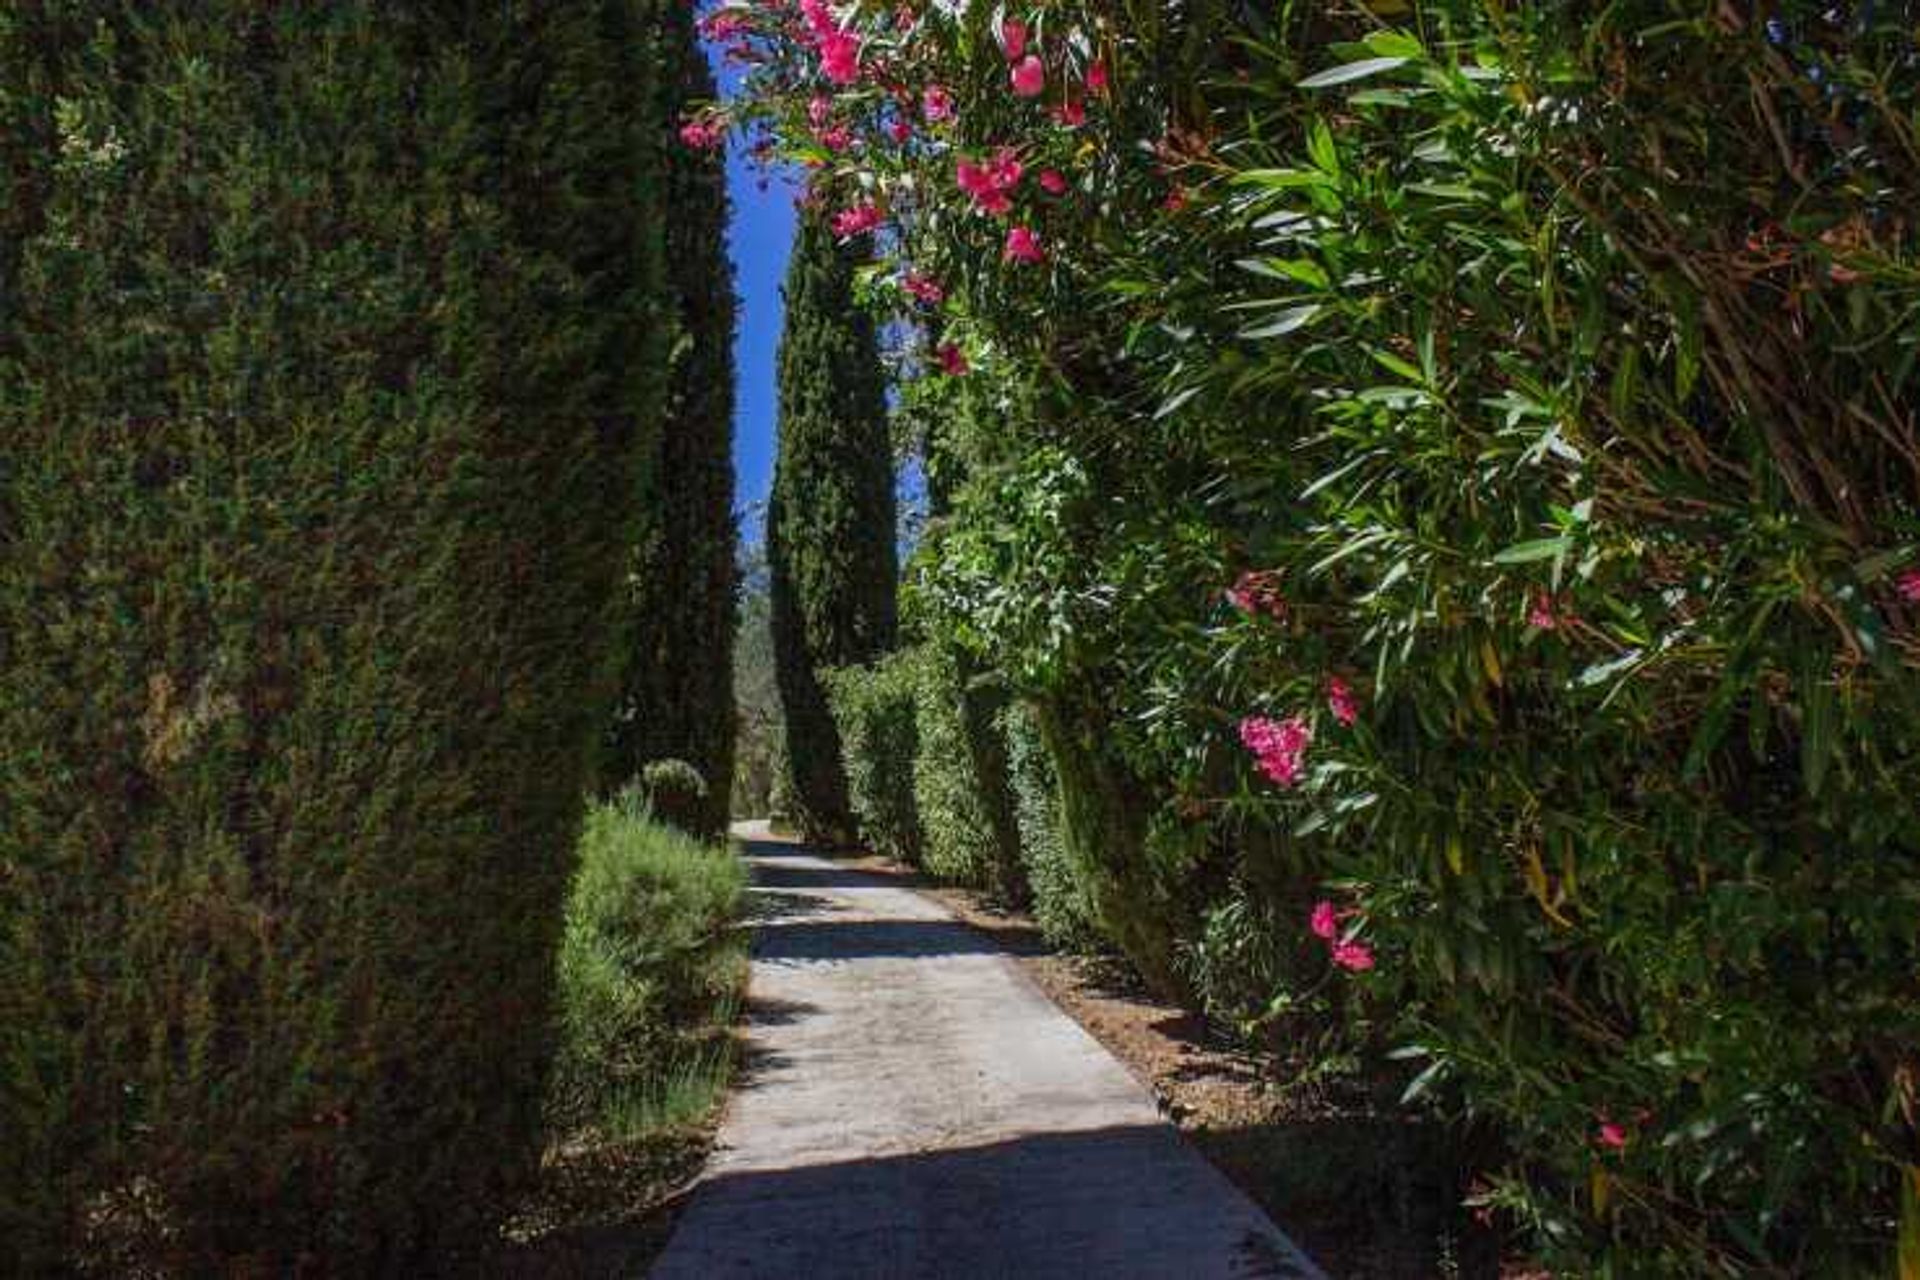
677 795
875 707
650 970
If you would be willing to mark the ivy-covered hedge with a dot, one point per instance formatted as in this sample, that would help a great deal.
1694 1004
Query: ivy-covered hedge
318 424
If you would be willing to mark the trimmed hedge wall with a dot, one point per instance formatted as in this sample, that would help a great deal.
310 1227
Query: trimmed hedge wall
875 707
960 780
317 432
1062 906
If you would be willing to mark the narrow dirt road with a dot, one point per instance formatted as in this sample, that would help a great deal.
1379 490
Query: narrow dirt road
912 1106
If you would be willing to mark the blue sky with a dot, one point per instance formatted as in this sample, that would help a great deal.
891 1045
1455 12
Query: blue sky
759 238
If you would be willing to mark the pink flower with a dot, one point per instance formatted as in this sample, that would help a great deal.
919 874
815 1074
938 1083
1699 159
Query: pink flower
700 133
857 220
719 26
840 57
923 287
1340 701
990 184
1071 114
1279 747
1612 1135
953 361
1023 245
900 129
1053 182
1324 922
1029 77
1908 585
1257 592
1013 39
936 104
819 18
1176 200
1005 169
819 110
1548 614
1097 77
1356 957
838 138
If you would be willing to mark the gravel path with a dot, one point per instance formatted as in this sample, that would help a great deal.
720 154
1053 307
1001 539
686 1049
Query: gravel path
912 1106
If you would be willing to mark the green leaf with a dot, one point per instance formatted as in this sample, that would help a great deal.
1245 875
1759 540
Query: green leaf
1173 403
1394 44
1351 71
1286 322
1537 549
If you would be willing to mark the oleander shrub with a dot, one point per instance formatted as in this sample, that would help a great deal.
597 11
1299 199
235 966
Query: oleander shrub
318 423
650 969
1458 465
876 707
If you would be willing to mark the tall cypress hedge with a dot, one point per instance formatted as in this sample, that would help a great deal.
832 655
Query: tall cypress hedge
677 695
830 524
318 425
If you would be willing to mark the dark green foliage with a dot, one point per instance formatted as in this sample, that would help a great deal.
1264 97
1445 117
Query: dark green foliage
1558 364
756 695
830 524
676 699
875 709
1061 904
960 779
675 792
650 968
319 415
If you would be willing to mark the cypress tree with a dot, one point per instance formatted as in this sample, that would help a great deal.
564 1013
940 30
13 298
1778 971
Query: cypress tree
677 696
319 425
830 524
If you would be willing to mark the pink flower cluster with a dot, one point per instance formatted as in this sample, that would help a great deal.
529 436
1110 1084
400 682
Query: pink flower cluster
856 220
1908 585
702 134
1350 954
936 104
1258 592
1023 245
923 287
839 48
1548 614
953 361
722 25
991 183
1279 747
1340 701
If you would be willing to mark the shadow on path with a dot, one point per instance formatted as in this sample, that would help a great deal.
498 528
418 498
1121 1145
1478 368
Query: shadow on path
843 940
1124 1202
